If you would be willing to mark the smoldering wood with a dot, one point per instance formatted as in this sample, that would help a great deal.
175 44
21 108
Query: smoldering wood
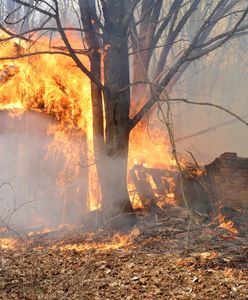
222 190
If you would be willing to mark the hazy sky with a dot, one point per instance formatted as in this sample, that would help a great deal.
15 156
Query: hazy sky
223 80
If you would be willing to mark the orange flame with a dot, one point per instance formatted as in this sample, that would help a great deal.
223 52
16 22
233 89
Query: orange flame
228 225
8 243
52 84
118 241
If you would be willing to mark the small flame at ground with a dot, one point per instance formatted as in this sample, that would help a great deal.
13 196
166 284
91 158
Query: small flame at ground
118 241
8 243
228 225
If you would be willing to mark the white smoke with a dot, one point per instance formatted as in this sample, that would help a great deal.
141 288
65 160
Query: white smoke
29 194
219 79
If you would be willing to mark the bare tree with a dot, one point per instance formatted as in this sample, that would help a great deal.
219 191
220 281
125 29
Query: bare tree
142 46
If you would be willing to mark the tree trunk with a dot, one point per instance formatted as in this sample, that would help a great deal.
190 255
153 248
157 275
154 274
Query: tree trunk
88 12
140 69
117 104
115 199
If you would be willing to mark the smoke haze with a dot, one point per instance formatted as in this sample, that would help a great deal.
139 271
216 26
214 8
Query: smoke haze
30 195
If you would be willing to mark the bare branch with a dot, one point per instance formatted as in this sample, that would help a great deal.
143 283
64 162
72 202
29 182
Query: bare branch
195 134
212 105
34 7
174 7
13 36
33 54
221 39
130 11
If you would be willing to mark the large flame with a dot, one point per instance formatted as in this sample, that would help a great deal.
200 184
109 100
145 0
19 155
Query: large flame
52 84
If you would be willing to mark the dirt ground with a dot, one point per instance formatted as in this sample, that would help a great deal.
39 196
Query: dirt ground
160 262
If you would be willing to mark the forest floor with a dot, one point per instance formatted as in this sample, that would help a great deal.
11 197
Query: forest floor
157 262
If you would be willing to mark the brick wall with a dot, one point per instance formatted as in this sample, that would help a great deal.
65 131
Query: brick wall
228 176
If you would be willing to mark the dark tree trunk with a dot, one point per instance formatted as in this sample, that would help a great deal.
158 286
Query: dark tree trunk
88 11
117 105
112 153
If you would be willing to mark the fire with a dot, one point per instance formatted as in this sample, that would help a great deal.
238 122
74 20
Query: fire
229 225
47 83
52 84
150 149
8 243
170 199
118 241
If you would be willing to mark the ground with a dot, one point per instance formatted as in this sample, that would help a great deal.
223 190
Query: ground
155 262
